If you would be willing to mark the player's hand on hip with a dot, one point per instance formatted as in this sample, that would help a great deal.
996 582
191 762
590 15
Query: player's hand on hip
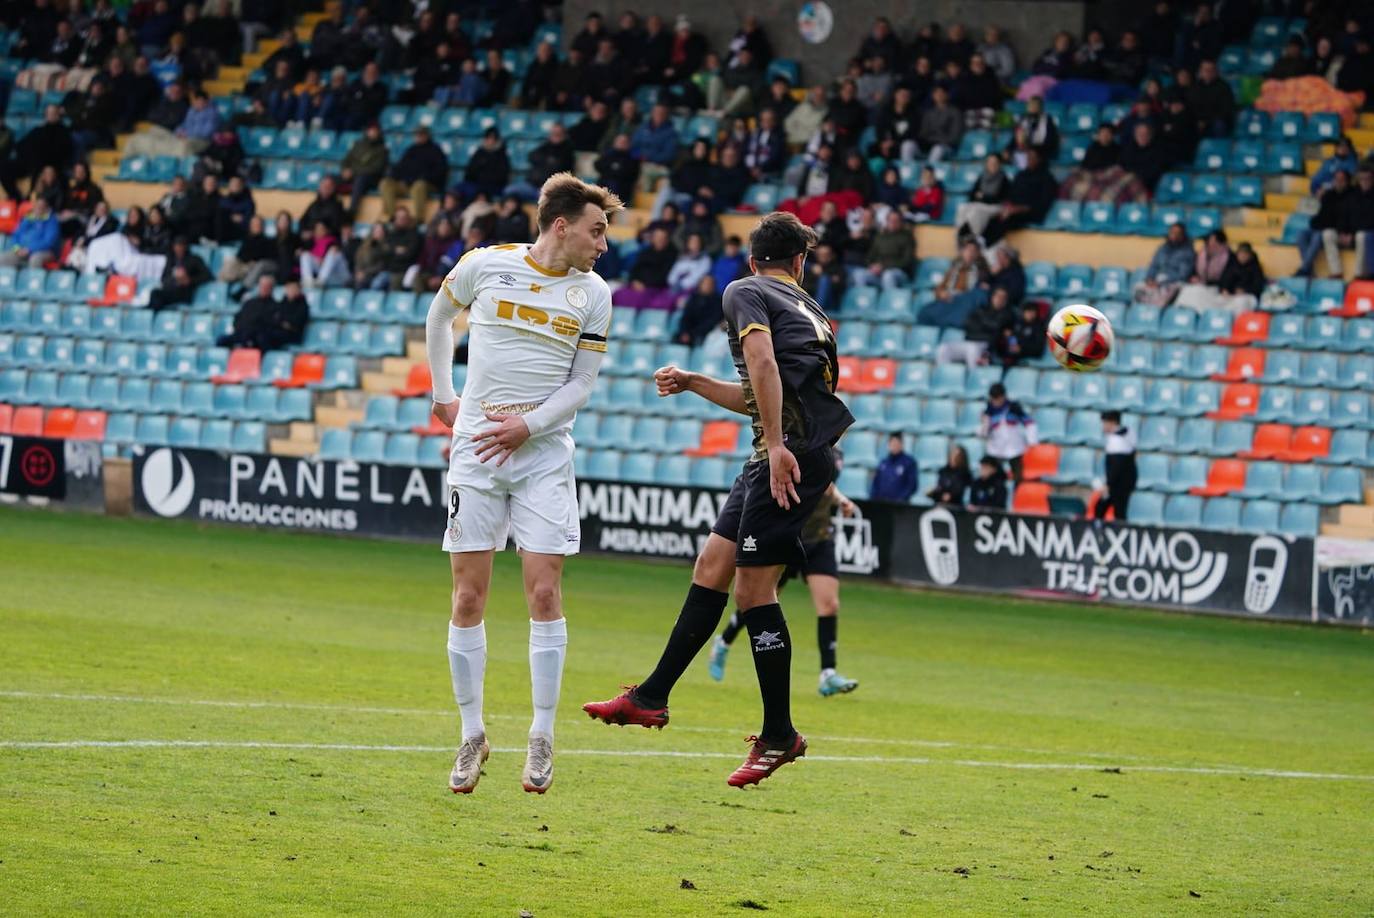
784 474
672 380
500 441
447 413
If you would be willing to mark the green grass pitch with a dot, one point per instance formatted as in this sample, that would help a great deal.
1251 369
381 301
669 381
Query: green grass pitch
1000 757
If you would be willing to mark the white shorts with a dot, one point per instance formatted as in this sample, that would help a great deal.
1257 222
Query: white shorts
533 496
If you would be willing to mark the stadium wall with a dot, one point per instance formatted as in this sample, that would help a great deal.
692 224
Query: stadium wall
1029 25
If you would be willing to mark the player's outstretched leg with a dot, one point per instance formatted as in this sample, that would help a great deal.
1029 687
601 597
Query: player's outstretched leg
548 648
467 664
646 704
825 593
721 646
778 741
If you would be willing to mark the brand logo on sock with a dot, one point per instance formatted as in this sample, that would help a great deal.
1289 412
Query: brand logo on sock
768 640
750 544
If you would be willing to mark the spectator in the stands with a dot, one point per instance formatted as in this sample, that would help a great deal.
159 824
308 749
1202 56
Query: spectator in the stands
890 192
830 226
236 208
653 264
898 125
1001 59
1323 58
853 175
953 478
1157 31
979 94
369 265
896 478
256 255
268 324
364 165
1178 131
1327 231
439 69
605 73
1089 58
625 120
692 264
48 144
966 273
1007 428
367 97
93 121
49 187
99 223
732 180
985 201
202 208
891 257
702 222
537 89
817 176
685 51
743 84
881 42
1104 152
701 313
805 119
1119 445
942 126
1057 60
1173 263
278 94
848 113
1357 70
1342 159
323 263
989 490
1211 101
928 200
185 271
421 171
1291 62
983 329
512 223
554 155
732 263
402 247
488 169
289 52
1040 128
327 208
1360 222
429 269
1144 157
1126 63
1024 338
874 85
695 175
1200 38
655 142
767 151
36 240
157 234
1029 198
568 84
618 169
590 131
779 100
1243 281
825 278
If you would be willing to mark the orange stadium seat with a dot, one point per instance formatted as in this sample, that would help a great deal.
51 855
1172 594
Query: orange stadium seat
1248 328
1223 477
418 382
245 363
1032 497
1040 461
90 425
850 375
60 423
1238 400
878 374
435 428
28 422
1359 300
1269 441
1242 364
1308 443
9 216
118 289
717 437
307 369
6 418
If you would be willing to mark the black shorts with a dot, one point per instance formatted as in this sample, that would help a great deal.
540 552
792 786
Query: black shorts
820 562
765 534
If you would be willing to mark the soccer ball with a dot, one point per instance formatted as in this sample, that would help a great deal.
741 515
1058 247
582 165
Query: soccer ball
1080 338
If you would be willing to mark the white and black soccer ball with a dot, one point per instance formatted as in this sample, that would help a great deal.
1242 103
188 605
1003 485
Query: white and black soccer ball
1080 338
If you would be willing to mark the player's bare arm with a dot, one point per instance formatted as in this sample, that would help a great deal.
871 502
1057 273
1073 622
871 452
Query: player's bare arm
672 380
783 472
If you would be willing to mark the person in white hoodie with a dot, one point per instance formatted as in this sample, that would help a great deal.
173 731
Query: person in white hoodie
1008 429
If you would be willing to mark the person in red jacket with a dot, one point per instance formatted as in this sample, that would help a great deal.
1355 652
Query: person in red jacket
928 200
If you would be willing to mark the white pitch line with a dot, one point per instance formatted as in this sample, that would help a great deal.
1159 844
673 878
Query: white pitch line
1226 771
426 712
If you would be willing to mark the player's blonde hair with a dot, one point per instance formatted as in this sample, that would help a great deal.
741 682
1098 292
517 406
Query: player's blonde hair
567 196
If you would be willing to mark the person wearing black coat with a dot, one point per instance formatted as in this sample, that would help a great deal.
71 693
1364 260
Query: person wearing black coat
617 169
654 261
184 273
554 155
695 176
366 97
1103 152
700 314
1023 339
1326 227
1144 157
953 479
327 208
488 170
989 489
1242 274
1029 199
49 144
421 171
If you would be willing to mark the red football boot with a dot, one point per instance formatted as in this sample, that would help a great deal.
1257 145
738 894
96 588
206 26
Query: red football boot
764 759
624 710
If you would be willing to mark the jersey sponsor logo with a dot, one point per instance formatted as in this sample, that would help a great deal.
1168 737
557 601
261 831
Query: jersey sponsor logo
749 544
533 315
768 640
576 297
168 482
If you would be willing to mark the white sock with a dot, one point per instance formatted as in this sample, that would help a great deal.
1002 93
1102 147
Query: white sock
548 647
467 664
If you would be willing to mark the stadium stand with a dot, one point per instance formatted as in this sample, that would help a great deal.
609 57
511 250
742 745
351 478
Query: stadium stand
1252 403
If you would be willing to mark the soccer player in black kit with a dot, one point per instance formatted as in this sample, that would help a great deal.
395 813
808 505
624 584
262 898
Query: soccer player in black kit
784 352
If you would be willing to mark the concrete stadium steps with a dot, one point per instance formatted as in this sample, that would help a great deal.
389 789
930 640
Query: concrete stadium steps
301 441
1352 521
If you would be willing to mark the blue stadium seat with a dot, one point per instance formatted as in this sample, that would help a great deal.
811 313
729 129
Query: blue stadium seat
1055 389
1284 157
1312 406
939 416
1263 480
217 434
1244 191
1152 471
949 380
930 272
860 301
1084 427
1276 404
913 378
1358 336
1285 330
1135 356
1127 393
1323 127
1324 294
674 470
711 472
975 145
368 446
1252 124
638 467
1177 323
853 337
1212 155
250 437
1064 215
1260 516
1147 508
854 480
1282 367
1208 188
1355 372
1174 188
896 306
402 449
1288 126
166 396
1051 423
1183 510
1300 520
886 339
1074 280
1203 220
1349 447
73 390
184 433
152 429
230 401
870 411
1142 321
1350 410
1201 398
1185 472
1041 278
922 341
1292 226
1077 466
198 398
1221 513
1098 216
1342 486
1247 156
763 197
1157 433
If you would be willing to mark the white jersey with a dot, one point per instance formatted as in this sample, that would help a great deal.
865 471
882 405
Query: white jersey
526 323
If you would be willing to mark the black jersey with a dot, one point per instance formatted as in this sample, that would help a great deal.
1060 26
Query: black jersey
804 348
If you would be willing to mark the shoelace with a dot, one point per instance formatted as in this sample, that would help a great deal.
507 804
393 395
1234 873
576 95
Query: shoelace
469 755
541 756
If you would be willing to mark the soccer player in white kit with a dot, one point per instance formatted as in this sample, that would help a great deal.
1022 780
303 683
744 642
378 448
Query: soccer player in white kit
538 320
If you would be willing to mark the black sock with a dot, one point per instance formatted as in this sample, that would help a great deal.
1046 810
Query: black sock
827 627
732 628
772 646
695 624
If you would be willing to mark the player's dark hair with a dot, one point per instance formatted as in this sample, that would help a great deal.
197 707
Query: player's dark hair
567 196
780 237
